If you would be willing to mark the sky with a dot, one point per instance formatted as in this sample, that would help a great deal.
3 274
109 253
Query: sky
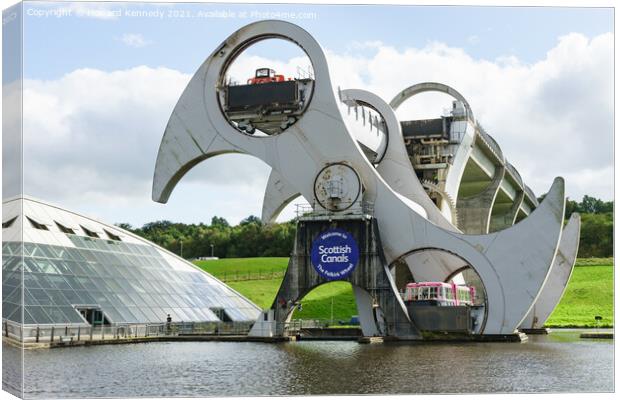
101 79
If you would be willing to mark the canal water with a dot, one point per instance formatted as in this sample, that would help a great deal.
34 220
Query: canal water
559 362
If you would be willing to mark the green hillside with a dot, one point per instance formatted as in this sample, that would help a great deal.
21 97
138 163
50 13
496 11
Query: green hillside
589 293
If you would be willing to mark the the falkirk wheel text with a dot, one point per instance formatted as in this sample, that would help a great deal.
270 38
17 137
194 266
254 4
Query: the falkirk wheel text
433 227
334 254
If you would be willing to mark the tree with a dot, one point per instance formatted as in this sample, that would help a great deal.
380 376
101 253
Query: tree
252 219
218 221
124 225
596 238
251 238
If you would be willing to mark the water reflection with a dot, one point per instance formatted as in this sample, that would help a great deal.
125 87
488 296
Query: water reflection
556 363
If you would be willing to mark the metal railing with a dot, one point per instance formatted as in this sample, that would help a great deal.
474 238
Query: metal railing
237 276
86 333
529 193
315 211
514 174
490 143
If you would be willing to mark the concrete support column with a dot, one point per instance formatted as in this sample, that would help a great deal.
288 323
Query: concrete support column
381 310
474 213
507 219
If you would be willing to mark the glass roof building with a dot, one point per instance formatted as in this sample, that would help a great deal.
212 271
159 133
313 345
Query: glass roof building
67 269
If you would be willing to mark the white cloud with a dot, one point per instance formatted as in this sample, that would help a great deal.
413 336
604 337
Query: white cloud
91 140
91 137
553 117
134 40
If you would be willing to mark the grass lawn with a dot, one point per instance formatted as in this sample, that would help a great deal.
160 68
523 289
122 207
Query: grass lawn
581 262
316 305
589 293
226 266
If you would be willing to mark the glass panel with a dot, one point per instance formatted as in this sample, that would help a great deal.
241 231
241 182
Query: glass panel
125 299
28 319
59 281
42 297
181 315
43 281
30 281
40 251
76 255
58 297
46 266
72 297
8 309
73 282
29 299
102 257
147 286
61 266
112 314
38 315
16 315
160 314
88 255
85 297
72 314
137 299
99 298
136 286
11 278
29 249
190 314
10 264
56 315
137 313
148 299
113 278
58 252
149 314
16 248
14 296
47 251
127 315
30 265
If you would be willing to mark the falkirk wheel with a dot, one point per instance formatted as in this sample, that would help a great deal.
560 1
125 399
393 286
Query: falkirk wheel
374 210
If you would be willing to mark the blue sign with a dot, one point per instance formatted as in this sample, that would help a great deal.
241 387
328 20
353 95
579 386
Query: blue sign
334 254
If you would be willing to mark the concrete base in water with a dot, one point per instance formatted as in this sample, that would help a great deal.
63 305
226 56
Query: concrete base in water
370 339
351 334
536 331
179 338
517 337
596 335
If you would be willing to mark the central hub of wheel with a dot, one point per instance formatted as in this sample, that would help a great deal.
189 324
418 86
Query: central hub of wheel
337 187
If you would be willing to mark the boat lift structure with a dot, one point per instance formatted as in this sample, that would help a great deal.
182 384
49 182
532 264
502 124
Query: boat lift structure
437 196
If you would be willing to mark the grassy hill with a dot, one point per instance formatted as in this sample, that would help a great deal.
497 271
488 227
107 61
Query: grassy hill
589 293
228 266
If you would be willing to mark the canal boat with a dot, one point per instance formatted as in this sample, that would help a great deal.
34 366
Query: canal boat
438 294
442 307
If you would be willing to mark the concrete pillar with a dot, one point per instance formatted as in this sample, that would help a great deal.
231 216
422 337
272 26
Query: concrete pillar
371 275
507 219
474 213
